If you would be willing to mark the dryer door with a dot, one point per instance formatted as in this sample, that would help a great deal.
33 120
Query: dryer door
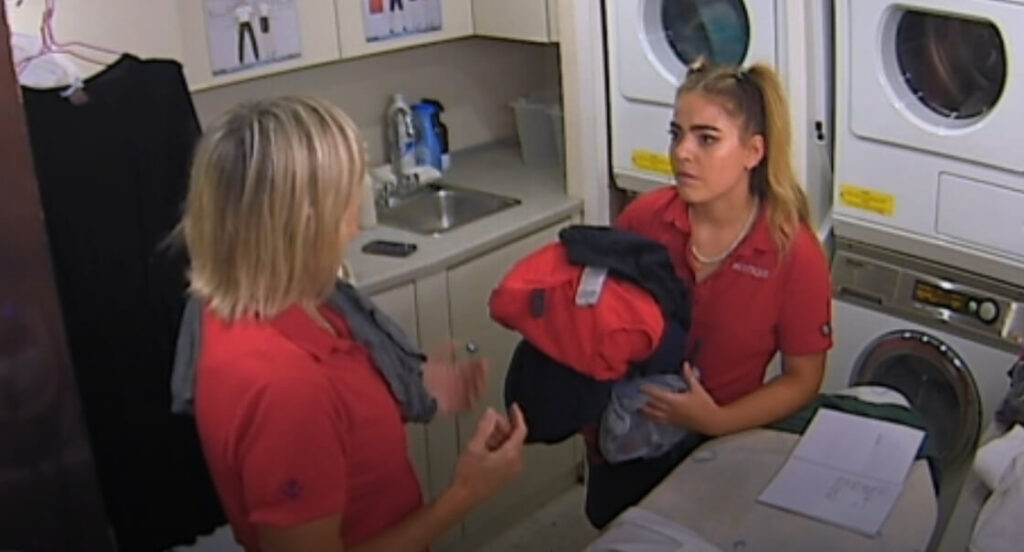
935 76
657 39
938 385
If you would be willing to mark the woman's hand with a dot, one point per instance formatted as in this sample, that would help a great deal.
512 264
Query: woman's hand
457 385
493 457
693 409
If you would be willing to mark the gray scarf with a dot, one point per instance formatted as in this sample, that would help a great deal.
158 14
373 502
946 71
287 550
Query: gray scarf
394 356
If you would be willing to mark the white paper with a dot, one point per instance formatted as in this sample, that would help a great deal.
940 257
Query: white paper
243 34
847 470
390 19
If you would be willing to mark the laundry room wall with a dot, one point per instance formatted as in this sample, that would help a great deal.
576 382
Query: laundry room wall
476 79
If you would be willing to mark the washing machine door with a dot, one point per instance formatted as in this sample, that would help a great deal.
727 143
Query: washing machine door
956 68
938 384
657 39
943 69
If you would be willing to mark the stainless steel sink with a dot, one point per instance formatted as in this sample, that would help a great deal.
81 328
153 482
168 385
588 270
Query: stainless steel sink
437 208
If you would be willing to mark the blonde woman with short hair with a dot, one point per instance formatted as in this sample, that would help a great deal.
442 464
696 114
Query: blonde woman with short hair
304 441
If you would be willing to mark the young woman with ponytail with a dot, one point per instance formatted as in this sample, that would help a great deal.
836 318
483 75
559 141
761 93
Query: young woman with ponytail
738 228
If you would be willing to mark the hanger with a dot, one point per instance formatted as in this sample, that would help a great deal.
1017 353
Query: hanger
50 45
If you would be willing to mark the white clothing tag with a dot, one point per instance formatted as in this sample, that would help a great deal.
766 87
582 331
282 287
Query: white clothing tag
591 283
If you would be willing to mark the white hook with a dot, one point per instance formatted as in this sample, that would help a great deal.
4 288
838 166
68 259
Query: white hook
76 85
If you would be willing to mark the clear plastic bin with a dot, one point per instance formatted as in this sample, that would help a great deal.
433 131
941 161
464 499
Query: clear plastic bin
539 125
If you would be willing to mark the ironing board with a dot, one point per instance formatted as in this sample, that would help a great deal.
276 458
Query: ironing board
714 493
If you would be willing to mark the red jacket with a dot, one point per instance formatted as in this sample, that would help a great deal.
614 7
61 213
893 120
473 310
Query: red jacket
537 298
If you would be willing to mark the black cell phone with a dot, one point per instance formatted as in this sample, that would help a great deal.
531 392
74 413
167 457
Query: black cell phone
389 248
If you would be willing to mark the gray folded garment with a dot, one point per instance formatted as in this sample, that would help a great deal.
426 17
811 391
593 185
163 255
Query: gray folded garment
186 356
625 433
394 356
397 359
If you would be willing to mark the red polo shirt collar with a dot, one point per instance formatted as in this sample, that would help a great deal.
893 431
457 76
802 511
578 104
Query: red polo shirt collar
759 240
299 328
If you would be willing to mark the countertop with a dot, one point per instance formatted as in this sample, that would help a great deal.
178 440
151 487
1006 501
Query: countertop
744 463
497 168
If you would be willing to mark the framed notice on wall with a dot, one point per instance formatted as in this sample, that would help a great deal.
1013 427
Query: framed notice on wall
389 19
243 34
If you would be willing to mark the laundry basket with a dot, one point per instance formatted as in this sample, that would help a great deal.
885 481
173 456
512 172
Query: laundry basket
539 125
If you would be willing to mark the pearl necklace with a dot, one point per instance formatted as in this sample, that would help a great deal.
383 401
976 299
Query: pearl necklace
717 259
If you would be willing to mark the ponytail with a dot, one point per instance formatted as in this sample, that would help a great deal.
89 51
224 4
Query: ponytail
756 97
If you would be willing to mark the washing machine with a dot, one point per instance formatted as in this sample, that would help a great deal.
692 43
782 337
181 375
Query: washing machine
650 44
929 106
943 337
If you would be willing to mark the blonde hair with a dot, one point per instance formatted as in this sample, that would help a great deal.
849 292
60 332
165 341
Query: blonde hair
755 96
271 183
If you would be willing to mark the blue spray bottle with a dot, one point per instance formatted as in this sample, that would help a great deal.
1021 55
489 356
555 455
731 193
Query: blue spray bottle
432 135
428 143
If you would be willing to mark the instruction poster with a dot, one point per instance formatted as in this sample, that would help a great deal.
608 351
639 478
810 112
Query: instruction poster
389 19
249 33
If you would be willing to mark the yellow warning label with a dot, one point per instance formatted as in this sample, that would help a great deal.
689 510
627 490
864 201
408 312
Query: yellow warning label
652 161
875 201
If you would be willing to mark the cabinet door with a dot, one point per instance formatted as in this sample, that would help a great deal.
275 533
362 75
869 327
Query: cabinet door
553 33
550 470
520 20
400 304
373 26
441 434
218 47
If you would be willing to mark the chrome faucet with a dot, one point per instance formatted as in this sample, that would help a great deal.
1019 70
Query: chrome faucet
401 140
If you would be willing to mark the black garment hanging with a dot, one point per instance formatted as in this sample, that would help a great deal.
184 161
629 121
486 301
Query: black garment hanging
112 175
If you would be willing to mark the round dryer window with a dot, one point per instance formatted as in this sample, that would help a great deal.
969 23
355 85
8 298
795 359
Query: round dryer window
933 377
955 66
715 30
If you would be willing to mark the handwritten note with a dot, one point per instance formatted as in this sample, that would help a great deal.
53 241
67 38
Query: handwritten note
846 470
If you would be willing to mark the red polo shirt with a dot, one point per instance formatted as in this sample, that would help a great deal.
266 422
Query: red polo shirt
297 424
755 303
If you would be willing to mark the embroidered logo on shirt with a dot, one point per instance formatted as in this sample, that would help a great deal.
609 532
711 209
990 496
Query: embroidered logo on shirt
292 489
755 271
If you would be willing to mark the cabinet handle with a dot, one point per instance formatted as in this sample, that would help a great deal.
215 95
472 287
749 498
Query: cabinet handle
471 347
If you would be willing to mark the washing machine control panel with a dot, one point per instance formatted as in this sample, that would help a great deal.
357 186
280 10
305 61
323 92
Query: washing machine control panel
924 290
988 311
946 295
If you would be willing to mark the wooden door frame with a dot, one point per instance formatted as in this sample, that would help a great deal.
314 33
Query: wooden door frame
51 498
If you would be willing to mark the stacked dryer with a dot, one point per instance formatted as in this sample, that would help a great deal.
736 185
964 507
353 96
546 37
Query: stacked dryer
928 155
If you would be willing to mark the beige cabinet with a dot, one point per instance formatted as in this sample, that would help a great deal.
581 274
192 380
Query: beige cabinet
363 30
205 62
400 304
528 20
215 49
549 470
